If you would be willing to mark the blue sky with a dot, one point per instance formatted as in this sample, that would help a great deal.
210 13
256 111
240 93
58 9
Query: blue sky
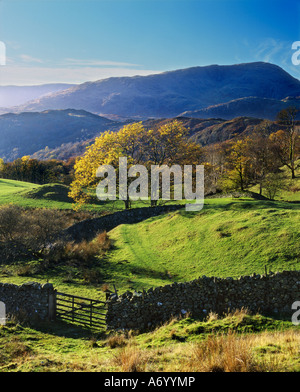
75 41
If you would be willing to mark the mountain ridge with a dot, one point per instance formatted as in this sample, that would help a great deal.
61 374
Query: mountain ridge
171 93
13 95
247 106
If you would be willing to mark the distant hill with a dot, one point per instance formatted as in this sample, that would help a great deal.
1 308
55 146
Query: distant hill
64 151
18 95
169 94
25 133
229 129
250 107
215 130
215 102
202 131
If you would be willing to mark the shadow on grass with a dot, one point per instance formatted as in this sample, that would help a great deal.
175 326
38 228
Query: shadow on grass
69 330
196 324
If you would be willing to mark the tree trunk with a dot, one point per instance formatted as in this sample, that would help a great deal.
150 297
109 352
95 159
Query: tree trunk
293 172
127 204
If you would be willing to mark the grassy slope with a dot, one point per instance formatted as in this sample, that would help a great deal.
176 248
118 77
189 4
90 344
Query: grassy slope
10 187
270 345
286 193
227 238
65 277
55 196
20 193
30 195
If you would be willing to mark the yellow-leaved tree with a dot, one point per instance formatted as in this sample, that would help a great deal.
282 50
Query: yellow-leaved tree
238 166
168 144
106 150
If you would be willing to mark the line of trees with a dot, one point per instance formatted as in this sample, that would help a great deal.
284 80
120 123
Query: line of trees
38 172
256 159
236 164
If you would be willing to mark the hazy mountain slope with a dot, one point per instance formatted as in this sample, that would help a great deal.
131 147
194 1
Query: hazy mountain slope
229 129
250 107
170 93
18 95
215 130
25 133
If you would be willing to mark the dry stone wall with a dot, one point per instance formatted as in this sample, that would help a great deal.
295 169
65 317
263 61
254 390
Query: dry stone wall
266 294
31 301
88 229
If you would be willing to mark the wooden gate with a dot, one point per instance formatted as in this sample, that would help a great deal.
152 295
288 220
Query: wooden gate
79 310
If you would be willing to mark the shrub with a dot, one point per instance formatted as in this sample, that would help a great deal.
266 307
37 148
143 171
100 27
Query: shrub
224 353
131 359
91 276
79 253
26 233
273 184
294 188
116 341
10 222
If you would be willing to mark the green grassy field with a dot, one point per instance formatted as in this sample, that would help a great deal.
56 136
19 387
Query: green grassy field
229 237
28 195
233 342
291 187
11 187
55 196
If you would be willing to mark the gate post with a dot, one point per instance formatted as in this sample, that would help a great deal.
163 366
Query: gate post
2 313
52 305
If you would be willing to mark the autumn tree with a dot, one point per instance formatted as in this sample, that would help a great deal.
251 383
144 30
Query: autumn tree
2 166
169 145
129 142
165 145
261 154
286 142
39 172
214 157
238 165
104 151
274 183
